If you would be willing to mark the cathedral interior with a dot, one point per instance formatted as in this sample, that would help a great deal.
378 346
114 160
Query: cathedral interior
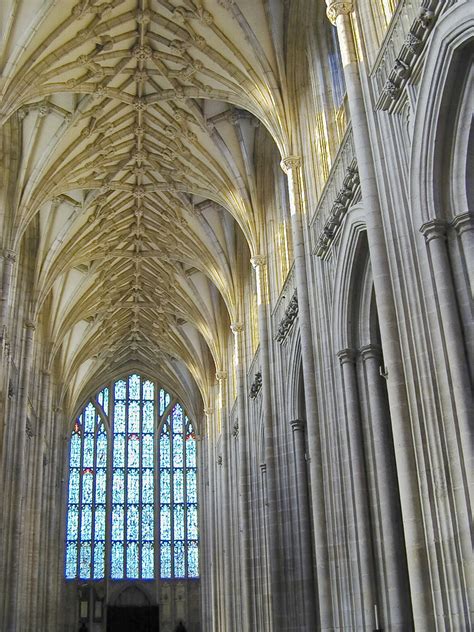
236 317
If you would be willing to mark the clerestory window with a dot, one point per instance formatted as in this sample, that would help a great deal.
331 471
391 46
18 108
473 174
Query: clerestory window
132 508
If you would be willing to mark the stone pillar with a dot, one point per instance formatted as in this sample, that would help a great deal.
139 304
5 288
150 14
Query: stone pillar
14 614
273 523
9 257
393 603
358 526
225 502
292 167
308 588
265 575
458 386
339 14
40 510
463 224
245 540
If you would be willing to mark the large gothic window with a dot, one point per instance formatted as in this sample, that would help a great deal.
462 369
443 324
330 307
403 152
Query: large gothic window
132 485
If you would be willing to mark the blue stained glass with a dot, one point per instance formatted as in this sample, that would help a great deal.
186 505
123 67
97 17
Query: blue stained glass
147 486
117 522
134 386
165 486
148 564
71 560
86 523
89 418
177 450
87 483
117 560
177 419
147 450
165 560
178 486
148 421
190 451
88 456
75 454
74 478
100 398
179 560
133 451
101 458
178 522
105 405
134 417
119 450
192 520
162 402
133 486
119 417
99 523
99 560
132 560
193 559
118 495
100 486
72 522
132 522
147 522
164 450
85 561
148 390
120 390
191 488
165 522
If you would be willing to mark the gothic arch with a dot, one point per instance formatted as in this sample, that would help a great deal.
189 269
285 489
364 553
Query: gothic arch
448 58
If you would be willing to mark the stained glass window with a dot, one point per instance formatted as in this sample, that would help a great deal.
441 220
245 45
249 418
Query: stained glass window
115 501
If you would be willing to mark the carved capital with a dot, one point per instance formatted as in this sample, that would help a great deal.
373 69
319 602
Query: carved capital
9 255
368 352
263 468
290 162
297 425
336 8
29 324
434 229
346 355
221 375
463 223
208 412
219 460
258 261
236 328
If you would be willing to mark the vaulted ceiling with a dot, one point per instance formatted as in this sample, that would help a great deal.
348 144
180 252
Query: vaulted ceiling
129 129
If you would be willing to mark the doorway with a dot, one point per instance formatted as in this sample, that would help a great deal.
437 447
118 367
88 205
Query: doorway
133 619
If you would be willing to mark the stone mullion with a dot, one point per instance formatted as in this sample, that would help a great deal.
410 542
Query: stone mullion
391 569
292 167
274 545
358 526
422 594
308 589
264 561
464 227
245 539
19 485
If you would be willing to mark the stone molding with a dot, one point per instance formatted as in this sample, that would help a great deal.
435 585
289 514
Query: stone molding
297 425
258 261
463 223
236 328
434 229
290 162
221 375
347 356
370 351
288 319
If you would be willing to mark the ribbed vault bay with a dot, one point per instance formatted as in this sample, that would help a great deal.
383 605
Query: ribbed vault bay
137 124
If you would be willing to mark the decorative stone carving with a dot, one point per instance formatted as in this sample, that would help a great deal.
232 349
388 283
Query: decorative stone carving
256 385
288 319
219 460
336 8
290 163
235 430
341 205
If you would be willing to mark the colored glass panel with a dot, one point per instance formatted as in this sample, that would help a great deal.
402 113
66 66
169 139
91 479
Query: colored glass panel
148 390
179 560
118 488
71 560
165 486
99 560
148 416
132 560
85 561
99 524
148 560
165 560
178 522
164 450
120 389
117 560
193 559
134 386
191 487
119 417
134 417
147 450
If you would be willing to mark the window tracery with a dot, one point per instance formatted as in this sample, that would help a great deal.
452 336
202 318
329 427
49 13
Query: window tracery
132 486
